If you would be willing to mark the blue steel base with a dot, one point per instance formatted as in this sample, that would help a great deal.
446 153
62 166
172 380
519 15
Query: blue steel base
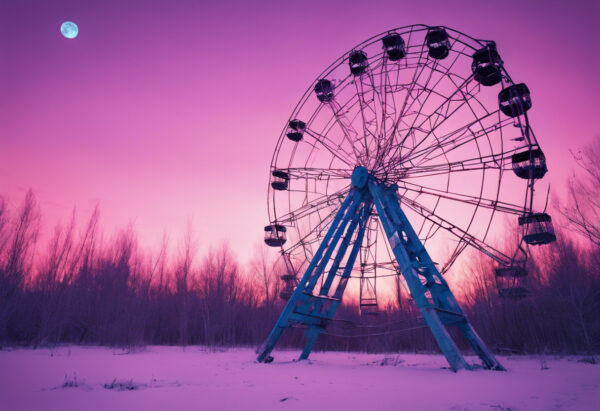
428 288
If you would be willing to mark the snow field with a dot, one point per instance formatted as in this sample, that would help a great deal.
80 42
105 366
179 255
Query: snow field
196 378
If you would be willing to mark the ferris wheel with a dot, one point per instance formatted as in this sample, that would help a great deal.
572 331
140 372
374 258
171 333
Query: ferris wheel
417 137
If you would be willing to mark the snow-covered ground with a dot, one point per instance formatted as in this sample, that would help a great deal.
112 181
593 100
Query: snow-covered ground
171 378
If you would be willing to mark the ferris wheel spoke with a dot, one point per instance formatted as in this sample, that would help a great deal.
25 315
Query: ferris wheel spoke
311 207
449 108
478 201
455 139
349 132
460 247
405 106
338 118
398 158
318 173
333 148
388 107
424 89
368 114
419 69
427 92
314 234
416 75
484 130
388 102
481 163
444 108
367 96
426 167
301 212
499 160
433 118
427 133
400 125
478 120
459 233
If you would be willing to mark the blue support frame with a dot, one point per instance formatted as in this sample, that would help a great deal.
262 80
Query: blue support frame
428 288
289 314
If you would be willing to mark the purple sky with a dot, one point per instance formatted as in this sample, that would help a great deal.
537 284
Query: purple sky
167 112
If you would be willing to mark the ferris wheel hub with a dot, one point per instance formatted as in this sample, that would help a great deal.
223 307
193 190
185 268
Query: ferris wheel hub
360 176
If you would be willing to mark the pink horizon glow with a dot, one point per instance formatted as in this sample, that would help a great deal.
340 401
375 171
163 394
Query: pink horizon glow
169 114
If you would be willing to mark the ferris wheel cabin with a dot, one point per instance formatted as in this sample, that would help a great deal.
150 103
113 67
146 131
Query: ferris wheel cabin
275 235
286 292
358 62
288 287
288 277
511 282
487 66
394 46
529 164
295 130
515 100
438 43
289 281
280 180
324 90
537 229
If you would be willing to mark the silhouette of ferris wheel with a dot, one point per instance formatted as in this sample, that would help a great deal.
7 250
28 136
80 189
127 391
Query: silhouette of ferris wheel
423 117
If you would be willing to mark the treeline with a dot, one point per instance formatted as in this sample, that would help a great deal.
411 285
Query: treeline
562 314
85 291
81 289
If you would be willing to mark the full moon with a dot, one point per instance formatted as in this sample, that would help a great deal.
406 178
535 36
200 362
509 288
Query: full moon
69 29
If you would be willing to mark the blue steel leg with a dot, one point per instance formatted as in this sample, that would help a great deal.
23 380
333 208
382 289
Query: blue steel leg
489 360
341 287
313 331
441 292
282 322
311 336
342 251
393 231
312 282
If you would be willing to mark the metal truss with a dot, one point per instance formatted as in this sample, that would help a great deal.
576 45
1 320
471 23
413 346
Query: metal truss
319 292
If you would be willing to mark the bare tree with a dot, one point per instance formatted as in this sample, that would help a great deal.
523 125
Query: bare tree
583 209
17 257
183 274
52 281
3 223
265 273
